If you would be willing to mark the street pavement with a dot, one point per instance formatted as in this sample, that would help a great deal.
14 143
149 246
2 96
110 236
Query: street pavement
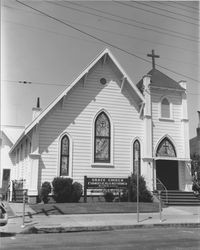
188 216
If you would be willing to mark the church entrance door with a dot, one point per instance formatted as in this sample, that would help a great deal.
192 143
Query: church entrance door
167 173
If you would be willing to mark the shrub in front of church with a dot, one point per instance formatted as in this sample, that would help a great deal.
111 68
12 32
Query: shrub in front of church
77 191
108 196
62 189
45 191
144 194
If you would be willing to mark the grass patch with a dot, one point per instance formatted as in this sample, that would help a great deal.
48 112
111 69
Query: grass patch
94 208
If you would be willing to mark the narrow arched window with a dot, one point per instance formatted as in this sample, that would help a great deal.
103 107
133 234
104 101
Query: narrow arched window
136 157
64 156
26 147
165 108
102 138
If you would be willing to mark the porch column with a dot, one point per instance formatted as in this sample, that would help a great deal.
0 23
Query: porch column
34 166
185 122
33 177
147 159
147 118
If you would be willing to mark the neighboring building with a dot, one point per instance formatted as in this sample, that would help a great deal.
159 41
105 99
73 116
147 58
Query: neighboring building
104 125
8 136
195 142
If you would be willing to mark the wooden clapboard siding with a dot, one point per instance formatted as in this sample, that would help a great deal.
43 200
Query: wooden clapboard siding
172 128
76 116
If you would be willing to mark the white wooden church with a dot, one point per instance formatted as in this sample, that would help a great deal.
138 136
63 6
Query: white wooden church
105 125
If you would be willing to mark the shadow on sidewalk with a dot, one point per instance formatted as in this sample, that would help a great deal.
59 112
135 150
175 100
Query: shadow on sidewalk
42 211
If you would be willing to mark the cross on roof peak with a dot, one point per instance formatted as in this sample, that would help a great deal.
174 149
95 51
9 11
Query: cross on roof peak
153 56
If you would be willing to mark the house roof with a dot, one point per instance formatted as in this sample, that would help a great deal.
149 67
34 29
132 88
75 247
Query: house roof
105 52
12 132
160 80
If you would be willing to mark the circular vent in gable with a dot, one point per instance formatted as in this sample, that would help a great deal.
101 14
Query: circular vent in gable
103 81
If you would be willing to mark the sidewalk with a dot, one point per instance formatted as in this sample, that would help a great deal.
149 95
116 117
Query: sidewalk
36 223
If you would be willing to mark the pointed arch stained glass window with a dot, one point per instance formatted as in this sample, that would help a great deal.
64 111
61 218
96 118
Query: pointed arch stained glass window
166 149
64 156
136 157
102 138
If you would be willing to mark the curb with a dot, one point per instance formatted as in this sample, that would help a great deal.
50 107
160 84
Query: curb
46 230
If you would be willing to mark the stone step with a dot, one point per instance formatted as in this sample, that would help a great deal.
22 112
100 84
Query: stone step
180 198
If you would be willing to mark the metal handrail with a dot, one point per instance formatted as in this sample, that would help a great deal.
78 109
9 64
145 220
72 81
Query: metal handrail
163 186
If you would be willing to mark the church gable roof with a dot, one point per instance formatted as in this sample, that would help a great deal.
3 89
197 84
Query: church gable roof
102 55
160 80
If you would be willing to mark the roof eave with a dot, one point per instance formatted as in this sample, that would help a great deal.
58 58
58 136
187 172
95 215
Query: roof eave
174 89
15 144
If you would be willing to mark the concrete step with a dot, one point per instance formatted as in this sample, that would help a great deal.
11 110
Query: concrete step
180 198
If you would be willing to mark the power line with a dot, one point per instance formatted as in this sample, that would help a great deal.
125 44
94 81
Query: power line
105 42
131 24
108 31
37 83
153 12
186 36
168 11
57 33
174 5
50 84
125 18
190 7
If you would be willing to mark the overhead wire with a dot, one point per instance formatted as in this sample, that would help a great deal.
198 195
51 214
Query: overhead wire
53 84
125 18
153 12
190 7
54 32
107 31
174 5
96 28
165 10
105 42
111 14
175 34
116 33
37 83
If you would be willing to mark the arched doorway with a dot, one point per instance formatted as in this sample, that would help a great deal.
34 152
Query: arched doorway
167 169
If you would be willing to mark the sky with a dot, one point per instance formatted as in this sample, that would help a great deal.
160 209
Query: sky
47 44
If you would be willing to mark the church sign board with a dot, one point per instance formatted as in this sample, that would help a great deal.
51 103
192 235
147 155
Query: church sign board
100 184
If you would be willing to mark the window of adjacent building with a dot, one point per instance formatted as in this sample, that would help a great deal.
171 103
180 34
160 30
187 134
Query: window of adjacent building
64 156
102 139
165 108
136 157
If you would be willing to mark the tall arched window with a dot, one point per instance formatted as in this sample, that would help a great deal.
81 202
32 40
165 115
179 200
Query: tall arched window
136 157
102 138
64 156
165 108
